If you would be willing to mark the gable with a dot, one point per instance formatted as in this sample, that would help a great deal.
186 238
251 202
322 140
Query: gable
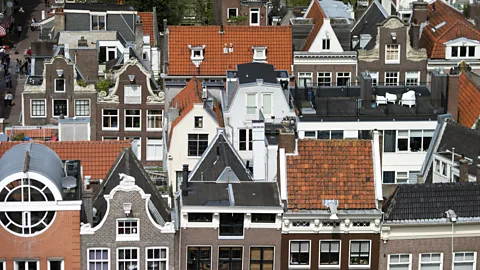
326 29
316 13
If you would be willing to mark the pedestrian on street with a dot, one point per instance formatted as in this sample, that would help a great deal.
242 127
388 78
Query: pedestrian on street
19 30
5 100
18 66
8 80
9 97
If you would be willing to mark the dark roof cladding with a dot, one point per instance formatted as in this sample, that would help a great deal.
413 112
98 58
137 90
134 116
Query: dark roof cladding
98 7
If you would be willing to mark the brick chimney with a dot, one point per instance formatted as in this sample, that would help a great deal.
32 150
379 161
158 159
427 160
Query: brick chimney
119 2
87 201
420 12
452 95
286 140
463 170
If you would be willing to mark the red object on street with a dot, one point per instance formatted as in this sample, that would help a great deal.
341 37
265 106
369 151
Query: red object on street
28 51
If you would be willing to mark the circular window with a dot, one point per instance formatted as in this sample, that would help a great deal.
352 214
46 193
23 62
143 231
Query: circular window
26 222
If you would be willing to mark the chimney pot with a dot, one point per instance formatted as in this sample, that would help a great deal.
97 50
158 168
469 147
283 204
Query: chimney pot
463 170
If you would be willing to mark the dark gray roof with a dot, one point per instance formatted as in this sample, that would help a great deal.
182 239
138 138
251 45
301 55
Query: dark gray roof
342 32
240 194
248 73
367 24
98 7
431 201
218 162
465 140
128 164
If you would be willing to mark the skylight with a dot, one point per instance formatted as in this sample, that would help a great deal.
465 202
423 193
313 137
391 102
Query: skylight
438 26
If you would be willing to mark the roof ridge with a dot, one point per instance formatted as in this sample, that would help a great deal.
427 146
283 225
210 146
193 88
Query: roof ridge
467 129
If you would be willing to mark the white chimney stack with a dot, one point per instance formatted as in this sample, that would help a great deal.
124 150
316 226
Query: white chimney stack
259 150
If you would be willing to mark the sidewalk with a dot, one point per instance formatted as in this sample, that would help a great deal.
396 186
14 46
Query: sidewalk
35 7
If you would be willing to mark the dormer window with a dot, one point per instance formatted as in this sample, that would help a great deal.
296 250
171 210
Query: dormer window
197 54
98 22
259 54
462 48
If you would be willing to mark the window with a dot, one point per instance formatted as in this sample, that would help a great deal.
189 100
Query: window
198 122
431 261
37 108
200 217
109 138
98 22
199 258
329 253
427 139
197 52
261 258
98 258
133 94
110 119
374 76
259 54
251 103
60 107
330 134
336 134
389 177
154 149
464 260
267 104
326 44
154 119
197 144
392 54
402 177
263 218
364 135
463 51
300 253
343 78
127 230
27 265
254 17
389 139
324 78
416 140
310 134
52 264
232 12
231 224
412 78
438 165
391 78
245 139
359 253
144 56
323 134
402 140
230 258
399 261
82 107
157 258
59 85
127 258
132 119
305 79
2 265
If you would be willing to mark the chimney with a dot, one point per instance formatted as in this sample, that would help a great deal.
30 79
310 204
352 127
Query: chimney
452 95
139 35
259 150
286 140
366 91
82 42
87 201
463 170
420 12
185 180
415 36
59 20
478 173
66 49
439 84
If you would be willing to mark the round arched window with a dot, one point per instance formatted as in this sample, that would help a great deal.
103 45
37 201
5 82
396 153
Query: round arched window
26 222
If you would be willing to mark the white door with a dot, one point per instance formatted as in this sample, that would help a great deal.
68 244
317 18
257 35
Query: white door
267 104
254 17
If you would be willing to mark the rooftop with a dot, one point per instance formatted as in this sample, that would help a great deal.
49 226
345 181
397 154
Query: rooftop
339 170
71 38
97 7
367 24
316 13
251 72
336 9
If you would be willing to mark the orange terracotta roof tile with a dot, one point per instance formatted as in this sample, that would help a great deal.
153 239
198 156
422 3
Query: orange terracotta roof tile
148 27
277 39
331 170
97 157
455 26
468 101
316 13
37 133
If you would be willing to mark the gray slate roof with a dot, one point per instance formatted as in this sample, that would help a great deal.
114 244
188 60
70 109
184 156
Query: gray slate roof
98 7
367 24
431 201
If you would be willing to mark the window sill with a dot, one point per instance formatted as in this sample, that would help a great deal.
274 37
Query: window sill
154 129
55 91
82 116
127 238
231 237
110 129
329 266
303 266
31 116
154 159
133 129
359 266
392 62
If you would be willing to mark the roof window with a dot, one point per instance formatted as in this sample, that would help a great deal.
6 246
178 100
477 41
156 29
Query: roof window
259 54
197 54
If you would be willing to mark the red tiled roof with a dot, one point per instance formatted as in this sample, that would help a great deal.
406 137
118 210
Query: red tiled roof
277 39
148 28
97 157
34 133
316 13
456 26
468 101
331 170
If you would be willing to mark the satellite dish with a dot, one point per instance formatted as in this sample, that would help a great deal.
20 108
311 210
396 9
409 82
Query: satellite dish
69 182
9 4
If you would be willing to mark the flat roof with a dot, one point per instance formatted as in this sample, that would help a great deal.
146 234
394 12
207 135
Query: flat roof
98 7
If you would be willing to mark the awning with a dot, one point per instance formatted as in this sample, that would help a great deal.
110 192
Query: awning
4 25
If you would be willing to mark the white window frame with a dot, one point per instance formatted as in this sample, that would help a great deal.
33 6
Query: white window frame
259 54
310 137
108 260
254 11
305 75
374 76
324 75
149 114
118 120
474 259
110 49
228 12
247 141
128 237
389 263
16 262
420 263
133 117
271 104
132 99
98 14
255 106
194 49
62 264
4 264
397 77
127 260
339 253
154 143
199 246
369 253
89 107
104 138
392 48
326 41
408 136
397 173
147 260
341 75
450 49
44 110
301 266
412 75
64 85
53 108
